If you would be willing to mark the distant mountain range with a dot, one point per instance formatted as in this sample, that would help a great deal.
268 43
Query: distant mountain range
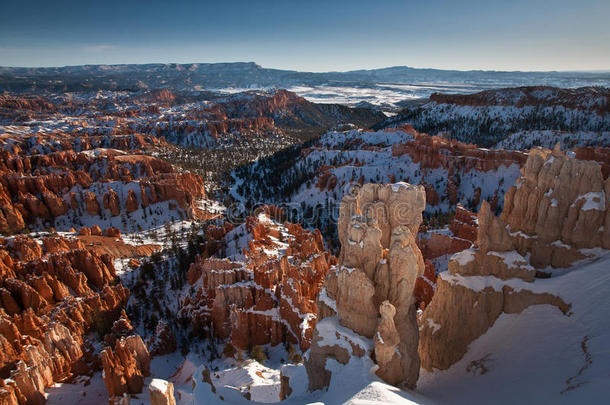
199 76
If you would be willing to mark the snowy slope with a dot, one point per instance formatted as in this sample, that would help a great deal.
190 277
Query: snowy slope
488 117
525 140
352 156
539 355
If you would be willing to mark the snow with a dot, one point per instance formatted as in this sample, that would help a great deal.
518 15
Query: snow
159 385
323 297
535 356
525 140
433 325
511 258
332 333
464 257
593 201
475 283
396 187
83 390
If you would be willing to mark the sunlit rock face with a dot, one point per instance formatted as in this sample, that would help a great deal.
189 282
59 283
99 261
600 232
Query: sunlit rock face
53 292
269 295
67 182
555 215
368 301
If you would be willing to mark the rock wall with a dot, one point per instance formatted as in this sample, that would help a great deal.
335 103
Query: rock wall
161 392
368 296
558 207
435 152
555 215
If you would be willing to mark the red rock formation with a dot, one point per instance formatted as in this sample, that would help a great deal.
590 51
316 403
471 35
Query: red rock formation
434 152
112 203
126 367
113 232
268 298
51 296
131 204
599 155
464 224
431 194
93 207
425 286
34 186
433 244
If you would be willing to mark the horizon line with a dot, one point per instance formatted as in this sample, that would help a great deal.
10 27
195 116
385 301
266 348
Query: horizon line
321 72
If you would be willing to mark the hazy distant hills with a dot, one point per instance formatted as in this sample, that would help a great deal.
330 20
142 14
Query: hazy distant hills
250 75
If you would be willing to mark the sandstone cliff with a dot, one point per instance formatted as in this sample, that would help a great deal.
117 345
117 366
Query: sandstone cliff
367 303
36 188
555 215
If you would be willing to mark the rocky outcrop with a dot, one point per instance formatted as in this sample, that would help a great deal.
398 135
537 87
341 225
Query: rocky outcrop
462 235
437 152
557 210
161 392
112 203
126 366
270 295
369 295
60 182
462 310
52 294
131 203
425 285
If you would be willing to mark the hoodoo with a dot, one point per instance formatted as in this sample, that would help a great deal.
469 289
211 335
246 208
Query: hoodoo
367 305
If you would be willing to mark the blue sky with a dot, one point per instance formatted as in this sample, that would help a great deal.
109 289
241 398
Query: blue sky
311 35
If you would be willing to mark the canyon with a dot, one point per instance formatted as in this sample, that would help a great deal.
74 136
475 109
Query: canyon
177 247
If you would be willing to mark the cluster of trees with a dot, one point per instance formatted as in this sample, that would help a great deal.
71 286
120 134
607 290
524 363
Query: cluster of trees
161 277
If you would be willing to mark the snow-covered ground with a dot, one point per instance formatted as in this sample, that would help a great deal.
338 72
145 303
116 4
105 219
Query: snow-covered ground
540 355
525 140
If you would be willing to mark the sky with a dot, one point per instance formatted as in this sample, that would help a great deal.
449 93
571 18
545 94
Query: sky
311 35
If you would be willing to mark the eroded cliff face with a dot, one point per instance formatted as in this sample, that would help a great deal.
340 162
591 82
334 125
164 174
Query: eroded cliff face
45 178
268 296
555 215
367 304
52 294
435 244
557 208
